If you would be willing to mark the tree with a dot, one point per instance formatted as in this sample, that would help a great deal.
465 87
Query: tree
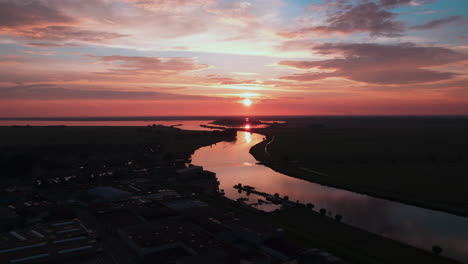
310 206
276 195
323 211
338 217
437 250
286 198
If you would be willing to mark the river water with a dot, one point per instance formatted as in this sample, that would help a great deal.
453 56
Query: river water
423 228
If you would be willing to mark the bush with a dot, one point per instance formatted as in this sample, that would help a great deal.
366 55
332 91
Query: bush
437 250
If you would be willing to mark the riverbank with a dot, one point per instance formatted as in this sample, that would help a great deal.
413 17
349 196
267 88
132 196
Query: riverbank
358 245
310 229
307 152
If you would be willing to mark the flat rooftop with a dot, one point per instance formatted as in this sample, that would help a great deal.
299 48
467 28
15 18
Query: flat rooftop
155 235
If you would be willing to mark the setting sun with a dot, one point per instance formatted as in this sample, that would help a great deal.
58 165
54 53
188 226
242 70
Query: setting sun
247 102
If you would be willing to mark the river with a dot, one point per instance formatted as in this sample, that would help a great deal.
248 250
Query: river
417 226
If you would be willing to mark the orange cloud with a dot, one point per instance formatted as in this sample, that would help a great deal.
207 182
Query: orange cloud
228 80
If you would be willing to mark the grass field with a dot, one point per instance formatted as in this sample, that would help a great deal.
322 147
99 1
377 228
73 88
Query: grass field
421 160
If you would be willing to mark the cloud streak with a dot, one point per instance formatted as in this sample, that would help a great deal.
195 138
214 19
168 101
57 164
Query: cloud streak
149 65
437 23
366 17
56 92
66 33
404 63
37 21
17 14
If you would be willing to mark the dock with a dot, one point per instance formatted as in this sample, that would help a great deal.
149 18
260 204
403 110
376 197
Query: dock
276 199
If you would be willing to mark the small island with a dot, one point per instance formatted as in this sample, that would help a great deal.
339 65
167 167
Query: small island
237 122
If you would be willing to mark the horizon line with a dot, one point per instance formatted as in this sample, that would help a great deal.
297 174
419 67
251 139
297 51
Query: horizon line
182 117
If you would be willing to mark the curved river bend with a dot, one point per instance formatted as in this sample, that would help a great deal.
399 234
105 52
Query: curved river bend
232 163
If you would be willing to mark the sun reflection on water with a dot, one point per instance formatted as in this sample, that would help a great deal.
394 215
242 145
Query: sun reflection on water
247 136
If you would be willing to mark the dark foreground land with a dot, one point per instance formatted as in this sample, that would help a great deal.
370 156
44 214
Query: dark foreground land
418 160
128 185
310 229
55 151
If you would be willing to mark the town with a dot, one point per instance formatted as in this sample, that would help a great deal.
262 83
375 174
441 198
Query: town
172 212
133 218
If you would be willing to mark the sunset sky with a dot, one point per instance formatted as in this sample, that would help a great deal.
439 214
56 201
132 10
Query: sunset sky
206 57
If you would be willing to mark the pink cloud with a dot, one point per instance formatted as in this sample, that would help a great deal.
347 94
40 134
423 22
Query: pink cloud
228 80
149 65
167 4
66 33
56 92
35 20
46 45
16 14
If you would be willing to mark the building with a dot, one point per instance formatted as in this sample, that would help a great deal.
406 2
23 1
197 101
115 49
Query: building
118 219
199 179
160 240
46 242
8 218
186 205
110 194
162 195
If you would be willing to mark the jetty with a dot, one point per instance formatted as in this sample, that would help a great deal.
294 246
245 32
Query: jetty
276 199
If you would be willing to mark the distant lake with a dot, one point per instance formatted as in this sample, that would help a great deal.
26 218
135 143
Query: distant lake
184 124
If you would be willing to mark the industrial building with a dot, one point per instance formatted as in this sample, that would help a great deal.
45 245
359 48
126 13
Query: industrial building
46 242
110 194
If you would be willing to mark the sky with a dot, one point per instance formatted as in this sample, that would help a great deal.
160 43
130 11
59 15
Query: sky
218 57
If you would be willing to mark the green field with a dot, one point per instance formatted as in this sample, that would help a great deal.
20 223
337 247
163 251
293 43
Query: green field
423 161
